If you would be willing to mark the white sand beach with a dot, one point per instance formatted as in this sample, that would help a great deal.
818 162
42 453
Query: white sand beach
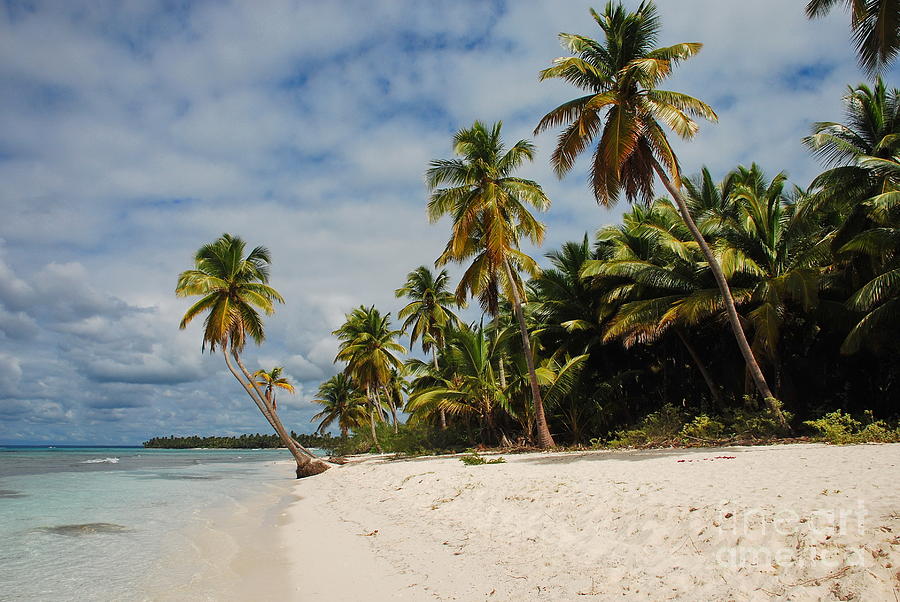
795 522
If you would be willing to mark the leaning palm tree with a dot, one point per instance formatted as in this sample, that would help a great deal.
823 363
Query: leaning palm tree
876 29
272 380
233 288
626 109
343 403
368 346
429 312
490 211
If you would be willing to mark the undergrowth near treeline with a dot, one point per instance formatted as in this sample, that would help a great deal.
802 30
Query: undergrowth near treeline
669 426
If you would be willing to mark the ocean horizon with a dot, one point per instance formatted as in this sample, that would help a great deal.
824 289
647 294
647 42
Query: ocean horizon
126 522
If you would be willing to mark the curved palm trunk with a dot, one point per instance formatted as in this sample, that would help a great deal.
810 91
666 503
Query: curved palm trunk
273 419
442 413
730 310
391 405
545 439
707 377
372 420
307 464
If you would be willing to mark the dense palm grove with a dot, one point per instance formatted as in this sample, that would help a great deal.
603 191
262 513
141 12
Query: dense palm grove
633 320
738 306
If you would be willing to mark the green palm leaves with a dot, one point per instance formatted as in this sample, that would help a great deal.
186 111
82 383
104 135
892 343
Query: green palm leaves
429 311
490 212
624 106
368 346
271 380
876 29
234 288
490 209
342 402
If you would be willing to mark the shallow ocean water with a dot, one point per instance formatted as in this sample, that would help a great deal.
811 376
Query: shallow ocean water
106 523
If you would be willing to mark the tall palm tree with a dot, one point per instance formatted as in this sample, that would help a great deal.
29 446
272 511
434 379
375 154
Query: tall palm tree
272 380
626 109
368 346
871 132
876 29
233 288
490 211
343 402
428 312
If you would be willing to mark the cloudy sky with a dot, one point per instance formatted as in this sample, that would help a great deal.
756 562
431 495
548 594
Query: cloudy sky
133 132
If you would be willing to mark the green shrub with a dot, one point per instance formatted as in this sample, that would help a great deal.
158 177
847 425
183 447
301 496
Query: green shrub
662 426
703 427
840 429
475 459
752 422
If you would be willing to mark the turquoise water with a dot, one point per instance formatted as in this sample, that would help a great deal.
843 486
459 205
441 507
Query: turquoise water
102 523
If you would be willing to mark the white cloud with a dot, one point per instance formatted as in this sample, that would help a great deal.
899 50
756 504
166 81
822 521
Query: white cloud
131 134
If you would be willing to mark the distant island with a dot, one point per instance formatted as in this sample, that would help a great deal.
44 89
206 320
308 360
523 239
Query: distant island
253 441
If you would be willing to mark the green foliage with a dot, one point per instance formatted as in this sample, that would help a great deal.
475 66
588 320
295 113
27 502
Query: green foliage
416 439
255 441
475 459
841 428
749 422
703 428
659 428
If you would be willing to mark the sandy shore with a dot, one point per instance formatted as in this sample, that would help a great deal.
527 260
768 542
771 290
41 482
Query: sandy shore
800 522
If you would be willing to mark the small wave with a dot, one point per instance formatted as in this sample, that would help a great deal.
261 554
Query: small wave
102 461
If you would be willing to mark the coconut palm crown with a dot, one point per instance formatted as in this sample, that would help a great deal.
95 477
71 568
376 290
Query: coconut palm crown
623 105
234 288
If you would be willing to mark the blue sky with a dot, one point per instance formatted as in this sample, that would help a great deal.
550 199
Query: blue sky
133 132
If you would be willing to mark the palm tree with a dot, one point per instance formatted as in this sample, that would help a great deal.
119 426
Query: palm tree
368 347
776 252
272 380
852 151
233 288
625 108
465 386
876 29
343 402
489 208
651 272
429 311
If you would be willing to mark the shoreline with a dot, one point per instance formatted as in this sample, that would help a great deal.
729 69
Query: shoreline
808 521
231 551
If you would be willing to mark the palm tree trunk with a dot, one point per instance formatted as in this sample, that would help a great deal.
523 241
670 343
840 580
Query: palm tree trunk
307 465
730 310
372 420
391 405
274 415
713 389
545 439
442 413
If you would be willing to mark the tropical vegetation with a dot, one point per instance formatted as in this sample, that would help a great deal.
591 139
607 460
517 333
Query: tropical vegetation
737 307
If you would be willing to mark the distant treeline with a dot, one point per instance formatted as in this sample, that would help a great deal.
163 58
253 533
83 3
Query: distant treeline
243 442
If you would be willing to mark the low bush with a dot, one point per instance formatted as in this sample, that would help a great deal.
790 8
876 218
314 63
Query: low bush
475 459
840 429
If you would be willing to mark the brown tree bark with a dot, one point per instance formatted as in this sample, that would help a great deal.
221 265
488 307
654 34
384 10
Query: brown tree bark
730 310
545 439
307 464
441 413
372 420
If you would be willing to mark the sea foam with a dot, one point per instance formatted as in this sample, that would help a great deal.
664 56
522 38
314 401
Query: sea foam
102 461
